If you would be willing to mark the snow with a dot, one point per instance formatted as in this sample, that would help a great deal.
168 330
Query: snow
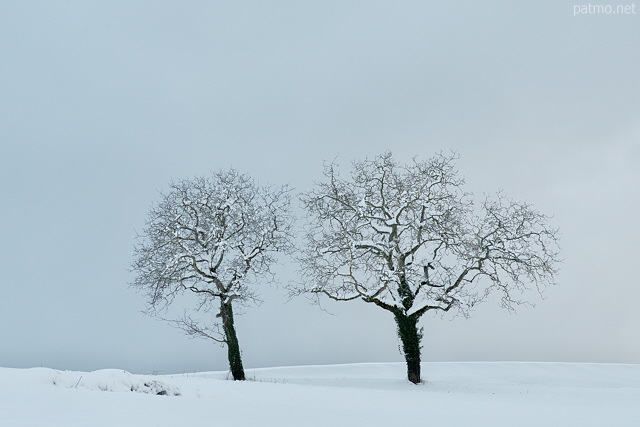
455 394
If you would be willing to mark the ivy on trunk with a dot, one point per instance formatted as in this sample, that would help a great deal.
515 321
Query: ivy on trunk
410 337
233 347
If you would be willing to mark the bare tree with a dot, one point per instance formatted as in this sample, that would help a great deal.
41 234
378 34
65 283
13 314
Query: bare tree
214 238
409 240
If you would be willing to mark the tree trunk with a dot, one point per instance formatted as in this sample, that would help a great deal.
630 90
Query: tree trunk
410 337
233 348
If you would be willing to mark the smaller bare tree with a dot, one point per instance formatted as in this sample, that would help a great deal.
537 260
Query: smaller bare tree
409 240
214 238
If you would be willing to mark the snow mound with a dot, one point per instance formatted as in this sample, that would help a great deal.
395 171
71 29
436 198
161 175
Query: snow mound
113 380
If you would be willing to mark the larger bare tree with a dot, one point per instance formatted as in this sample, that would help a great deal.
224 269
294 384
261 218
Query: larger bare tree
214 238
408 239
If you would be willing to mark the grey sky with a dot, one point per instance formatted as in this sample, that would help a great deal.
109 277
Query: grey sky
103 103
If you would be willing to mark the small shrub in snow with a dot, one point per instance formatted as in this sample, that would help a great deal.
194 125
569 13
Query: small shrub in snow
114 381
155 387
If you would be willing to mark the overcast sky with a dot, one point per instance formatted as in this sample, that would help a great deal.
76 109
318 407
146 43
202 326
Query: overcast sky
103 103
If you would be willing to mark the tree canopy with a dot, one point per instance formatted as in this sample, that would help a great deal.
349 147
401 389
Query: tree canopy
408 239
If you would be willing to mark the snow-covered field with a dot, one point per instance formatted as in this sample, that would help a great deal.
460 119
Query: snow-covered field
454 394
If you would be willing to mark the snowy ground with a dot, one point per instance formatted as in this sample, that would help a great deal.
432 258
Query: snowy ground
455 394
